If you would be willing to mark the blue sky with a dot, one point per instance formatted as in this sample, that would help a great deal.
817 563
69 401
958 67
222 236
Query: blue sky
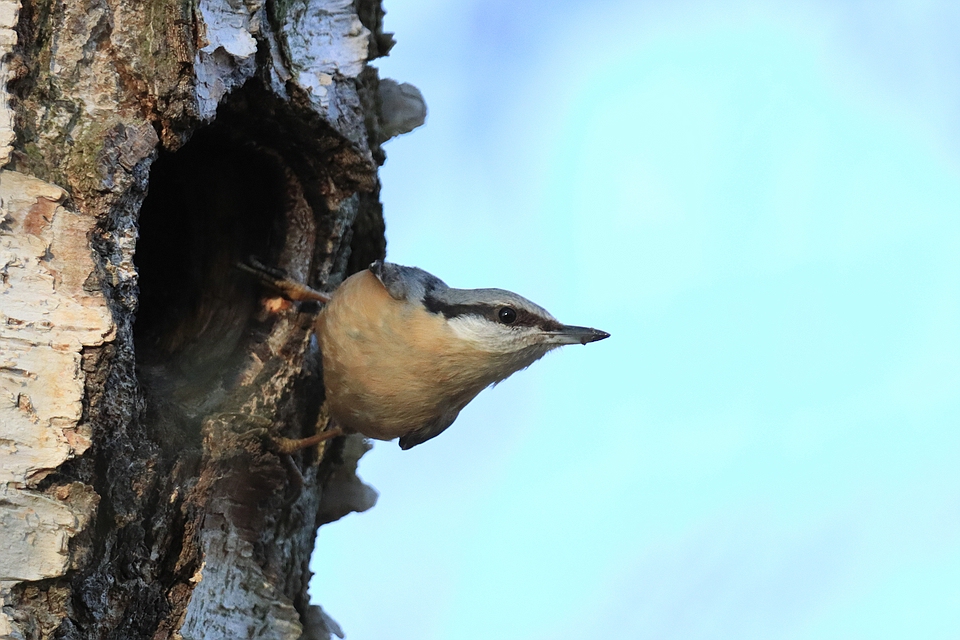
761 203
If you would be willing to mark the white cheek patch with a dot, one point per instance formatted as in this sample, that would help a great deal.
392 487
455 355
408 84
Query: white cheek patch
490 336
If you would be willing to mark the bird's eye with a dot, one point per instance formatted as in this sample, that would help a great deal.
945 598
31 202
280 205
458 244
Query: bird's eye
507 315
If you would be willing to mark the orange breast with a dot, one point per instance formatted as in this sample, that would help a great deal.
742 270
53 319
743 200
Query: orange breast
389 366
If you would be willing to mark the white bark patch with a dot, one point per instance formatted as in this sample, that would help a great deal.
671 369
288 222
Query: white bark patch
325 39
228 59
8 38
46 319
36 530
234 599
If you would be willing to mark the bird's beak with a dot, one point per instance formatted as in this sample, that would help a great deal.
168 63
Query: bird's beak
569 334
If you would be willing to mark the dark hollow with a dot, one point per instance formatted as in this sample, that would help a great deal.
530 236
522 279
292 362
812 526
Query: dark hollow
210 205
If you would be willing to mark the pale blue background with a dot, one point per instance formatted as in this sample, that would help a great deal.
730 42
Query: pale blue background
761 202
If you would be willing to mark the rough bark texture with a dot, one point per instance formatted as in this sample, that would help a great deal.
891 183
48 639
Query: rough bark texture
147 146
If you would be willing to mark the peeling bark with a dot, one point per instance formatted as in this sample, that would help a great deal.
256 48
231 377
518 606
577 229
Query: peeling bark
149 146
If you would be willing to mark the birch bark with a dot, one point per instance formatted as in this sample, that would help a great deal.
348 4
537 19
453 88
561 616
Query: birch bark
145 147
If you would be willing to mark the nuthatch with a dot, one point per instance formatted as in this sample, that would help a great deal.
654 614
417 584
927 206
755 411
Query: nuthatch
403 353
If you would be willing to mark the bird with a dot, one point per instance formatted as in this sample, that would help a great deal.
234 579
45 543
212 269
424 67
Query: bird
403 353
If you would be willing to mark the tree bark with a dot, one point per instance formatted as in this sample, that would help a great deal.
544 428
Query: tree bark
147 147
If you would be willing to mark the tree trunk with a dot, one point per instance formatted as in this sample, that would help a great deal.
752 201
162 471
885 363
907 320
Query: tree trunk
147 147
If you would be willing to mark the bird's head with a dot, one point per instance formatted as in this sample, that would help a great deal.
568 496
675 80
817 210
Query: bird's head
514 331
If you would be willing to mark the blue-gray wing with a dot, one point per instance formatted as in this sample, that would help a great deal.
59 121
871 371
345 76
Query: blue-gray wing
406 283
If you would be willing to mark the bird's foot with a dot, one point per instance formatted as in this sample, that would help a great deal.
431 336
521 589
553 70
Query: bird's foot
278 280
289 445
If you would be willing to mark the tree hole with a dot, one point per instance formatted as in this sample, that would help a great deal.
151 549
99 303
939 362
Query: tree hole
210 205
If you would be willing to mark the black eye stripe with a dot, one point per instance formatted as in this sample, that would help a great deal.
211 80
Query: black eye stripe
490 312
434 305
